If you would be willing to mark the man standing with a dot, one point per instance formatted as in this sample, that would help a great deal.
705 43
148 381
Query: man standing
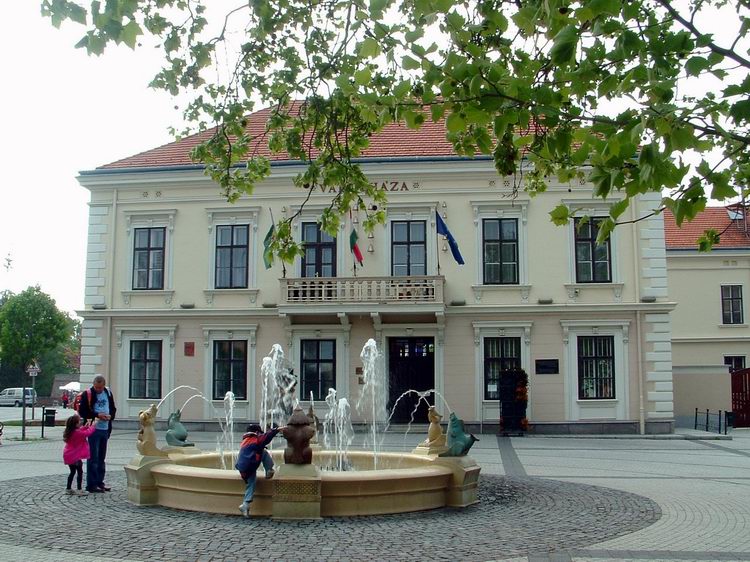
98 404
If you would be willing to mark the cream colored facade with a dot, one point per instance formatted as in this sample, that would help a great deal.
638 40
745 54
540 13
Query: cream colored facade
701 339
547 310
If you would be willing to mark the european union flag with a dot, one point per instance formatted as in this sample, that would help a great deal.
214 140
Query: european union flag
442 228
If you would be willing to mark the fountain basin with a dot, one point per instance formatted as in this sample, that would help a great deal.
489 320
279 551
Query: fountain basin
402 483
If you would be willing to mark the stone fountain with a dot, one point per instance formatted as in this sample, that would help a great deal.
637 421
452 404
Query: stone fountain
438 473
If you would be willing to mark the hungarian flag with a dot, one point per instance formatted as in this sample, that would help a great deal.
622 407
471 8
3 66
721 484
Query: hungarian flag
267 254
353 237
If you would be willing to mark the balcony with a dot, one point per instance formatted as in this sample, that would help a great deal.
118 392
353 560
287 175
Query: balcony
365 291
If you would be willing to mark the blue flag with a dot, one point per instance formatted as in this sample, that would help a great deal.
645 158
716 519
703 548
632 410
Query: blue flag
442 228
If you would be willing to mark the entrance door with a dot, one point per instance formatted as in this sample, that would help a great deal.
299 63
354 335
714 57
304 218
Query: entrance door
411 366
741 397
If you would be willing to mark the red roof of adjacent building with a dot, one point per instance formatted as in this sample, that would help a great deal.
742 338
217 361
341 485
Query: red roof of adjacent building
732 231
394 141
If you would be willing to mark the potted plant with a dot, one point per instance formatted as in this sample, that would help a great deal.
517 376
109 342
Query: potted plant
514 384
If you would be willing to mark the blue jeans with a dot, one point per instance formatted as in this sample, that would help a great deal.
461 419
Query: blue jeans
250 482
95 466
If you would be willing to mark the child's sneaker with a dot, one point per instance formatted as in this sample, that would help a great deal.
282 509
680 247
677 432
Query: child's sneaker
245 510
269 473
69 492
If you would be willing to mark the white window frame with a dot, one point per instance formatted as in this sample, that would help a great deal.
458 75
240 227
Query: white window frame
244 409
501 210
489 410
311 213
596 409
594 210
233 217
413 212
164 218
742 324
744 357
129 407
323 332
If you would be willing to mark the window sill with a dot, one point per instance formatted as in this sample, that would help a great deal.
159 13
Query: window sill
574 289
523 290
168 294
597 401
732 326
211 294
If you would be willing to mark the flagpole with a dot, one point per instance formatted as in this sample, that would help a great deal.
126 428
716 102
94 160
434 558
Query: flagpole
438 245
351 225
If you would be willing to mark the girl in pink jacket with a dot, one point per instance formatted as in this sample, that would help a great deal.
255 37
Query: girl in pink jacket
76 450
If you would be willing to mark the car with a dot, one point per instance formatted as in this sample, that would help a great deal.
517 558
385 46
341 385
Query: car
14 397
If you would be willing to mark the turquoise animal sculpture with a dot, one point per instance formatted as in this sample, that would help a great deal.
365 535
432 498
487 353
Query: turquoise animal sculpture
177 434
458 441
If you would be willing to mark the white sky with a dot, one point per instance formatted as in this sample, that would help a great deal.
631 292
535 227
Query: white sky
62 111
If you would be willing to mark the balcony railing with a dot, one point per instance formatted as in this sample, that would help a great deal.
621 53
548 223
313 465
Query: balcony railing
362 289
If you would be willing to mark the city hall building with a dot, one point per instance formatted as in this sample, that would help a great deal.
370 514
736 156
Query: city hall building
177 292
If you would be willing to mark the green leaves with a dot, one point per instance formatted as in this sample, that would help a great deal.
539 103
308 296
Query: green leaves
130 33
455 123
409 63
30 324
539 90
564 45
695 65
369 48
560 215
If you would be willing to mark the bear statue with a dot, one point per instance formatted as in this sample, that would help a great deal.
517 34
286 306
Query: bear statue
298 433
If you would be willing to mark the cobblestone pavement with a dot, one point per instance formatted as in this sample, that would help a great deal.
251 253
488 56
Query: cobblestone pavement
542 500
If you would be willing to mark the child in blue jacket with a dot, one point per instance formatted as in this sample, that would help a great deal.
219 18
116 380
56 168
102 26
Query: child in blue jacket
252 454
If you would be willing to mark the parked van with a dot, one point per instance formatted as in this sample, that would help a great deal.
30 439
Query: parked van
14 397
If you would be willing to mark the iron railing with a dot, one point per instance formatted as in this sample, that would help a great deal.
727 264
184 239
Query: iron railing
711 421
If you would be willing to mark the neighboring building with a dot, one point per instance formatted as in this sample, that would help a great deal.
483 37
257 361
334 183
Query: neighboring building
177 293
710 333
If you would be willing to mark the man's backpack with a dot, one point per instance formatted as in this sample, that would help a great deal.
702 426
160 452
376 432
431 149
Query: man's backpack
78 399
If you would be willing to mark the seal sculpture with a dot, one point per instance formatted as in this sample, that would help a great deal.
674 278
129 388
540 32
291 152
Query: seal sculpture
459 442
176 432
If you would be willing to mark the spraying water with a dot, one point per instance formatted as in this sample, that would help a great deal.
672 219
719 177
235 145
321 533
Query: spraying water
371 403
173 391
338 432
228 430
421 396
279 384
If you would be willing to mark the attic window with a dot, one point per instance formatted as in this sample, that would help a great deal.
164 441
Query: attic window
735 214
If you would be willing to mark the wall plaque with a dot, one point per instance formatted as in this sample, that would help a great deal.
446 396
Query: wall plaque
547 366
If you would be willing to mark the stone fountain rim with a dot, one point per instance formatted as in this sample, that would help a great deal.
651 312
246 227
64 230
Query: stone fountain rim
182 465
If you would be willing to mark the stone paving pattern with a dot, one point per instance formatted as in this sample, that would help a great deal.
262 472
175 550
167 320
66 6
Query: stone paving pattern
524 515
543 500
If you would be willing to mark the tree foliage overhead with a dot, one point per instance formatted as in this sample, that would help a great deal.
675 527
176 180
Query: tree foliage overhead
600 88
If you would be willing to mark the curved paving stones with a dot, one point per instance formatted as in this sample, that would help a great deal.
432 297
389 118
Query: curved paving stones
516 516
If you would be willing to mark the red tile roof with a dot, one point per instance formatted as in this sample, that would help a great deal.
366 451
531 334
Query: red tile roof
394 141
732 233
